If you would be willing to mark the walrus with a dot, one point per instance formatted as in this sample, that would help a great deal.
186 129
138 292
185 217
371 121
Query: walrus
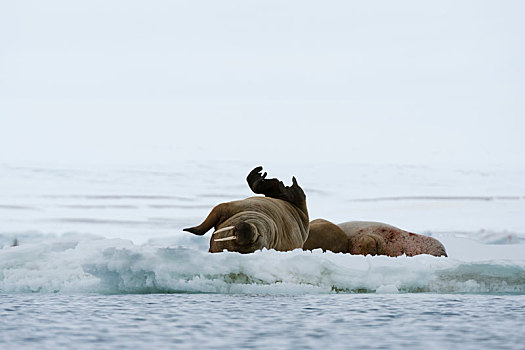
327 236
374 238
277 221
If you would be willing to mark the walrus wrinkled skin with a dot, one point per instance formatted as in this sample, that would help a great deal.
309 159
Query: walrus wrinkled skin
277 221
374 238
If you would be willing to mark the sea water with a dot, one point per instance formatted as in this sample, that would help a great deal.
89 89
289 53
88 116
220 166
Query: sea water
102 261
217 321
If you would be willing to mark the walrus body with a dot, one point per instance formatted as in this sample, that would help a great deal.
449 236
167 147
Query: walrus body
374 238
389 240
327 236
278 221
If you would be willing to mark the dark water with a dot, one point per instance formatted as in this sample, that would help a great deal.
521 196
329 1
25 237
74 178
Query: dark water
215 321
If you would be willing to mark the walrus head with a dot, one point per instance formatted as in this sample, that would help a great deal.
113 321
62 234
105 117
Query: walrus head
242 237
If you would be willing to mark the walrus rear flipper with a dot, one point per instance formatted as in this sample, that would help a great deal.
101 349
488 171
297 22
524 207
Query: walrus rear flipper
213 219
276 189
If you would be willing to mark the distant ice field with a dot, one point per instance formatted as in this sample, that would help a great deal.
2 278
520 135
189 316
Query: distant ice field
140 202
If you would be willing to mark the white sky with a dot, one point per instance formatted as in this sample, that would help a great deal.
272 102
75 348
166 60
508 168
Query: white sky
351 81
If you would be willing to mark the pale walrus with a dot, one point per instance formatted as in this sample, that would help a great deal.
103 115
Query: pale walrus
374 238
277 221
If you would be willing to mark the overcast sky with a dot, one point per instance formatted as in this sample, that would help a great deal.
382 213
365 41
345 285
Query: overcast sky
353 81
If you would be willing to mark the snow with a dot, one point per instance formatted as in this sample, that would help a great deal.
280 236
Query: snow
85 264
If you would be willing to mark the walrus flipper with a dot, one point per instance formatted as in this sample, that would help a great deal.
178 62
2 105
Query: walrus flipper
213 219
275 189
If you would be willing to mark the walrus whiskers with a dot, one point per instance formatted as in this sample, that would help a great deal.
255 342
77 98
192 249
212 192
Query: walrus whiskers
229 238
227 228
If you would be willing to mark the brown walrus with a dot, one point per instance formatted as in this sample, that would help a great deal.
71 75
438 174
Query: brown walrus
277 221
327 236
374 238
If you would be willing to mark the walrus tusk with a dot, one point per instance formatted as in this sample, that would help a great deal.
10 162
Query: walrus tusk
229 238
227 228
